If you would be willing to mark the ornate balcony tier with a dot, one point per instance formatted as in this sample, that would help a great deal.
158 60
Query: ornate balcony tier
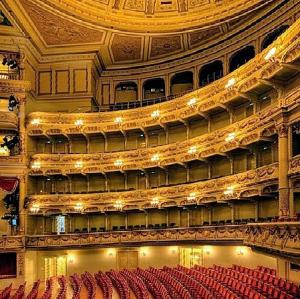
244 186
8 120
12 165
12 242
15 87
259 127
214 234
282 238
258 75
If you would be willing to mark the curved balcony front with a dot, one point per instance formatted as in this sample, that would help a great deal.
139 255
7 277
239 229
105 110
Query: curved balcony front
235 187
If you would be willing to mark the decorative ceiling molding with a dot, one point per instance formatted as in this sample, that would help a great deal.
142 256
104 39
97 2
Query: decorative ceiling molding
58 29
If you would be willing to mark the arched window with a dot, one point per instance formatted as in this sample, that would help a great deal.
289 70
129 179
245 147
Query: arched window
210 73
154 88
181 82
272 36
126 92
241 57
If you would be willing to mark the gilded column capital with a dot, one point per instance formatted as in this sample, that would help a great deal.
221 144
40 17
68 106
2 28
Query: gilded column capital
282 130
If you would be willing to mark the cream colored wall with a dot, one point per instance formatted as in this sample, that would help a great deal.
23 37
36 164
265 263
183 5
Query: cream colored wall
105 259
228 255
268 207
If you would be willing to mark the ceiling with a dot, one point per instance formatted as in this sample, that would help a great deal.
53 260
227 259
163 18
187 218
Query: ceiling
134 32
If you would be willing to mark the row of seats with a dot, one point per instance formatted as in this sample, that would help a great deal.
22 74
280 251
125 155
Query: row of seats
76 284
48 289
104 284
90 284
123 228
179 282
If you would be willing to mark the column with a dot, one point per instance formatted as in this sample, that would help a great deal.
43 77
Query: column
283 157
167 85
126 220
146 219
167 216
22 211
232 213
195 78
256 210
209 215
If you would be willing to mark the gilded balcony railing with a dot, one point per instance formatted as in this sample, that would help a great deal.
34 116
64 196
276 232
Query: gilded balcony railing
244 185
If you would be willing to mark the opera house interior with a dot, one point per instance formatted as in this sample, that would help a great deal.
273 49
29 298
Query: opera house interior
150 149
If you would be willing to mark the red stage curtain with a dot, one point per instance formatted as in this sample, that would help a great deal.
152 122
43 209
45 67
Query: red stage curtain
8 185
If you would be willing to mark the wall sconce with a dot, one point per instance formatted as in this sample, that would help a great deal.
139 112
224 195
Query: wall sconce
230 83
230 137
155 114
229 190
192 102
71 259
79 164
111 252
174 249
36 121
207 250
119 204
270 54
155 157
118 120
36 165
118 163
192 196
78 122
78 207
155 201
240 251
192 149
35 208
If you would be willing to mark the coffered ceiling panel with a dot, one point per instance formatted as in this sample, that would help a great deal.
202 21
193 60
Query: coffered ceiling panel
134 32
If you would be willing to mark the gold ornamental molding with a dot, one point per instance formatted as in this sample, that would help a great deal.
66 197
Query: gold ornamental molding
150 16
12 243
258 74
282 237
235 187
295 166
16 87
215 234
252 129
8 120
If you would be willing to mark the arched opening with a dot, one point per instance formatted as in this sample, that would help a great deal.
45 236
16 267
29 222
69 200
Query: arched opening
272 36
181 82
126 92
154 88
241 57
210 73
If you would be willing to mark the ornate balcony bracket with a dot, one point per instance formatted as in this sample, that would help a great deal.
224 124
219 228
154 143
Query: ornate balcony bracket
282 238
